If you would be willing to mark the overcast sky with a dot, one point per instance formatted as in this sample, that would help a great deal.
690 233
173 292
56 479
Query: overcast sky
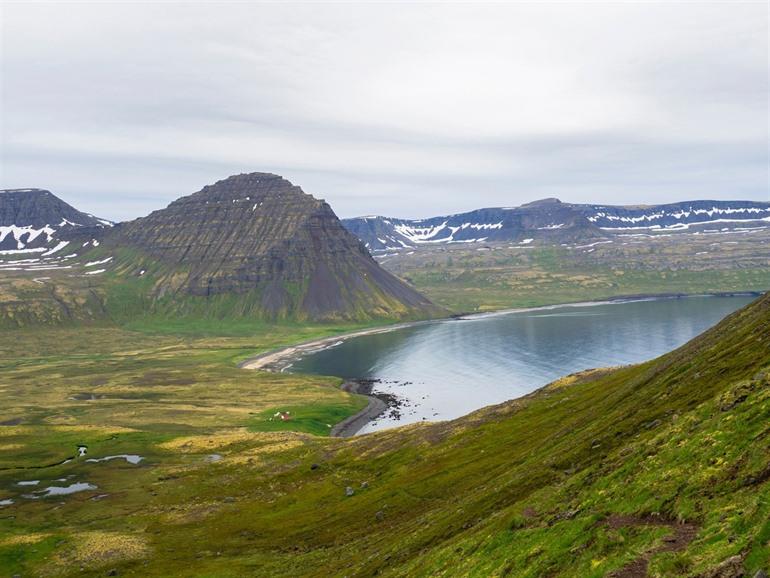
401 109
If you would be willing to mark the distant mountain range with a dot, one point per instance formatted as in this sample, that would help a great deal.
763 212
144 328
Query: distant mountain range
552 221
256 246
252 245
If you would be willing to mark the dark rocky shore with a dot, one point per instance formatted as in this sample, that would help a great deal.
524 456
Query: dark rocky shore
379 404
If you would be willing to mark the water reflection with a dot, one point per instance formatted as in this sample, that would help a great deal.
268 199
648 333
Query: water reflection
456 366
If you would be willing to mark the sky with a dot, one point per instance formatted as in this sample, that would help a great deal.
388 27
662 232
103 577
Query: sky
401 109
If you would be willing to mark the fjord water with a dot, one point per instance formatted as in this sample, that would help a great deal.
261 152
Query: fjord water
449 368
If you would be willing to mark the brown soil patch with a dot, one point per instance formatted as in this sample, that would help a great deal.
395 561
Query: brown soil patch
678 540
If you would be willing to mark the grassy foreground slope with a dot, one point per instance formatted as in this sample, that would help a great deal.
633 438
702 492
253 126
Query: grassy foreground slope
661 467
527 488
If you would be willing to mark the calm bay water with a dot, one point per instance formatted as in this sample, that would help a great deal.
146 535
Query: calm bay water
450 368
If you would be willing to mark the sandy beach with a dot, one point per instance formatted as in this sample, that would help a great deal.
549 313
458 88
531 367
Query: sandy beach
279 359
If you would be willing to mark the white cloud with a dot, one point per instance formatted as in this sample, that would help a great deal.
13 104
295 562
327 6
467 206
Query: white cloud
405 109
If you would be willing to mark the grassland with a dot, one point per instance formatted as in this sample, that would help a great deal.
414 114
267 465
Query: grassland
102 376
589 475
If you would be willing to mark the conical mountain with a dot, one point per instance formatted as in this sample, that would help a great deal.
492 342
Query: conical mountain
270 250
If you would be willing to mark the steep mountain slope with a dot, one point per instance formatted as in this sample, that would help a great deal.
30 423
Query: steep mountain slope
35 220
661 467
262 242
552 221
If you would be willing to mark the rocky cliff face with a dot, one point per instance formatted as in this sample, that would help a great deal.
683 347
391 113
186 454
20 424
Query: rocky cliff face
283 252
32 220
551 221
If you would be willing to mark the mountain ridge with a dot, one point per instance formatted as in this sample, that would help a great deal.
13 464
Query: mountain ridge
551 220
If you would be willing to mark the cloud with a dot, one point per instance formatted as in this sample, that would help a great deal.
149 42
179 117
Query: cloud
402 109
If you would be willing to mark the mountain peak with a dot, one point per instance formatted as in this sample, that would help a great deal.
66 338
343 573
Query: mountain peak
285 252
543 202
30 190
246 180
249 187
251 175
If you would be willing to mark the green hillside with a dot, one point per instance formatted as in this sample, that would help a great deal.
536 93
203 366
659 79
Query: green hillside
662 465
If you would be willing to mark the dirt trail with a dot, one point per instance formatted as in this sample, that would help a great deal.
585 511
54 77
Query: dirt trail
678 540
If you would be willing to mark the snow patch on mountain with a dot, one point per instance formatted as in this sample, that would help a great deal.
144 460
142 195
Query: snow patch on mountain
684 217
683 226
24 235
441 233
57 248
102 262
22 251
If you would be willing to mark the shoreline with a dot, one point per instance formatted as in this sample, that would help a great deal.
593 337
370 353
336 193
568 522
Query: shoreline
271 360
349 426
607 301
278 360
